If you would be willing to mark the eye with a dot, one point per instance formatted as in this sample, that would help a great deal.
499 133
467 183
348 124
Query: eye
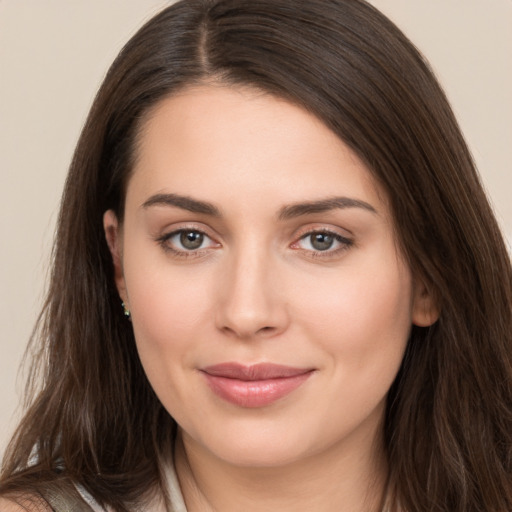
184 241
322 241
190 240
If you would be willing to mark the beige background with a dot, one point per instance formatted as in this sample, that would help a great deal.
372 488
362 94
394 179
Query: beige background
53 55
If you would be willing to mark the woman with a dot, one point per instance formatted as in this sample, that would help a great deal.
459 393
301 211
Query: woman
316 298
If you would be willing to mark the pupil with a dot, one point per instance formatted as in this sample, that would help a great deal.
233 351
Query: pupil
322 241
191 239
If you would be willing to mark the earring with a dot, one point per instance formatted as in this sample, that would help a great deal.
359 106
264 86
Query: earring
126 311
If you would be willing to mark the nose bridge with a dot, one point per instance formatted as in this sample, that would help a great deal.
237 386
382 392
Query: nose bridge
249 300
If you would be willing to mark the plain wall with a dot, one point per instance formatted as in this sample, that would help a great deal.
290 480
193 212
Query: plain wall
53 55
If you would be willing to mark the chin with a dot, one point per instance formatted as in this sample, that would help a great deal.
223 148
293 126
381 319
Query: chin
260 445
257 456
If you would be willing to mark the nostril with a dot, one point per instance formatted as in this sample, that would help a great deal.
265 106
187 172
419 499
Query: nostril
266 329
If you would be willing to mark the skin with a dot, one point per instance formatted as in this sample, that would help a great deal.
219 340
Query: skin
259 290
7 505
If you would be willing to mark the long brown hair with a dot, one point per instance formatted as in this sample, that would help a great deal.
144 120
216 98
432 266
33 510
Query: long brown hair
94 418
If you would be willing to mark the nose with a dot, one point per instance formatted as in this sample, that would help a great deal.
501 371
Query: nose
251 303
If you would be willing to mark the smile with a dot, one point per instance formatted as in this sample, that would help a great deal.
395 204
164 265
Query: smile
254 386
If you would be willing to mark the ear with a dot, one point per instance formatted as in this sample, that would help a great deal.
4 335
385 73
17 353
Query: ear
425 309
113 236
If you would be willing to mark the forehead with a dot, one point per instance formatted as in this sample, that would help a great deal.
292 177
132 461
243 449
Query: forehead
223 143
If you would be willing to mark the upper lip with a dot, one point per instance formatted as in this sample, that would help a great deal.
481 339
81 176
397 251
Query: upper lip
260 371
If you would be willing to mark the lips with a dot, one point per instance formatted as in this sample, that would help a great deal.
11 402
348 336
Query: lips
256 385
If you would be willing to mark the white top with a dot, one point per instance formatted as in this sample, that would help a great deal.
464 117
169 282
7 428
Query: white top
173 491
172 488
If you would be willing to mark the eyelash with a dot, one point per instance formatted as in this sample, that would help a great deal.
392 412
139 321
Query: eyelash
183 253
345 244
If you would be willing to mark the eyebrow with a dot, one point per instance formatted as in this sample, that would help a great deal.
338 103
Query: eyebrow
323 205
183 202
287 212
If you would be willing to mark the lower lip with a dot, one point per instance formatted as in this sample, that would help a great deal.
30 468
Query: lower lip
254 393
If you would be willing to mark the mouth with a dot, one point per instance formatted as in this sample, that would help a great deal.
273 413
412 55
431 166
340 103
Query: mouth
253 386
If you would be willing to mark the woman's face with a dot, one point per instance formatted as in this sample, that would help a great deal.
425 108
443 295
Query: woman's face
270 304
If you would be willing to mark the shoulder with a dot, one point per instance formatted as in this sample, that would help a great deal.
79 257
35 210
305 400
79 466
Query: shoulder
10 506
25 504
45 492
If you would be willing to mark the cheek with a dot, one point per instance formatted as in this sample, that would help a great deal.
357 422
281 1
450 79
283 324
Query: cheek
363 319
168 308
362 326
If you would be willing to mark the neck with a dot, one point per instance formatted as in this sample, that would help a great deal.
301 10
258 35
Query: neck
345 478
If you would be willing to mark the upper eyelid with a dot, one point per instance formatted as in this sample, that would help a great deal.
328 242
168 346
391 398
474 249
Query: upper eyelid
322 230
172 230
319 228
169 234
179 230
